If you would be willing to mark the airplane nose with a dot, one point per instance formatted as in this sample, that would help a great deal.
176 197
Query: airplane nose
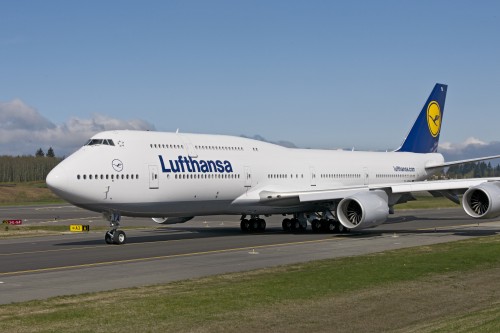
55 179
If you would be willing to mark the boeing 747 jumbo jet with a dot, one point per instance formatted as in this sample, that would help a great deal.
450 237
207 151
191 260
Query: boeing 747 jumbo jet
173 177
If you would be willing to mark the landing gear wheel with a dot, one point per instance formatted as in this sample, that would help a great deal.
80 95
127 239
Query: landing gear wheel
262 225
245 225
331 226
119 237
316 225
108 237
340 228
254 225
286 224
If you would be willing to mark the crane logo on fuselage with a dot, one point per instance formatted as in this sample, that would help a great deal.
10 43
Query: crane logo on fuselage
117 165
188 164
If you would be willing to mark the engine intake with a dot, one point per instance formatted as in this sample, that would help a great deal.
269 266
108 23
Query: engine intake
363 210
482 201
171 220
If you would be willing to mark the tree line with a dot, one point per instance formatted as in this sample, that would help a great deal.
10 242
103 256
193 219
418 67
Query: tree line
473 170
19 169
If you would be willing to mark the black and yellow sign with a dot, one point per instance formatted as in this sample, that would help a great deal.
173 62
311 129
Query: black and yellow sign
79 228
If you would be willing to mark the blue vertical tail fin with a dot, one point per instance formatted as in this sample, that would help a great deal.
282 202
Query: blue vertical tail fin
424 135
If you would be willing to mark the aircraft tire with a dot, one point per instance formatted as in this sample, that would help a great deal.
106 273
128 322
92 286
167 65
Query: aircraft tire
262 225
108 238
245 225
119 237
331 226
339 227
254 225
316 225
286 224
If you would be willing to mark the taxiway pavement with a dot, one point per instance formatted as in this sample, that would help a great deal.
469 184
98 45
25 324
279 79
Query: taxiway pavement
41 267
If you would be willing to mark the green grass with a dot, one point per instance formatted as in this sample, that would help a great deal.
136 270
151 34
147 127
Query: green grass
30 193
235 301
427 202
485 321
9 231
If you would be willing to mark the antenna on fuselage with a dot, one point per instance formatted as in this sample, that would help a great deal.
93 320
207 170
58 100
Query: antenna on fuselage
176 131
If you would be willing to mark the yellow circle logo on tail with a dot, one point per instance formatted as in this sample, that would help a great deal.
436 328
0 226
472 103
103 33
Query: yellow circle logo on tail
434 118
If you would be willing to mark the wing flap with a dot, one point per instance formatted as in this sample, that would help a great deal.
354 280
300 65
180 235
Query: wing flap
438 185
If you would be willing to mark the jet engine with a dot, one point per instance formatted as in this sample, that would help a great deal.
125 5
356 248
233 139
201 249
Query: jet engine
363 210
171 220
482 201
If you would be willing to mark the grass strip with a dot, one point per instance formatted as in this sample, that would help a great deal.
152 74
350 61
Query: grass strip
30 193
427 202
485 321
13 231
192 305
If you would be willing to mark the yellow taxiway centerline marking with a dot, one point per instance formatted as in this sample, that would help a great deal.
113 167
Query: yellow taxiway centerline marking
165 257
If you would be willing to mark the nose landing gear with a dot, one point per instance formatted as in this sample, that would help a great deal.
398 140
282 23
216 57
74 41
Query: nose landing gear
114 236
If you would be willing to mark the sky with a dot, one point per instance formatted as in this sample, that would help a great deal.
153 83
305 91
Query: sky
319 74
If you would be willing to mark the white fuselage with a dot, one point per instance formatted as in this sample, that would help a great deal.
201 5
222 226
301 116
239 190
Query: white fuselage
157 174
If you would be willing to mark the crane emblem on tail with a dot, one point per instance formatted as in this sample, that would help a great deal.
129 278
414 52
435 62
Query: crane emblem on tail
434 118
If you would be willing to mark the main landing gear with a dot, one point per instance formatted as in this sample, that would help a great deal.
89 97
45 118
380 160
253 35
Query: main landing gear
299 223
328 225
254 224
293 224
114 236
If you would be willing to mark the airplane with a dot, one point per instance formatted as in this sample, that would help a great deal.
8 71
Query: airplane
173 177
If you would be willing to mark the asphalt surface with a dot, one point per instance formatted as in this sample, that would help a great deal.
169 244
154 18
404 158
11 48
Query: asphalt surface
73 263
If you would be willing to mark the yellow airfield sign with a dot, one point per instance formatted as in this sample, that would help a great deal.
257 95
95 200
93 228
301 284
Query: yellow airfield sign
79 228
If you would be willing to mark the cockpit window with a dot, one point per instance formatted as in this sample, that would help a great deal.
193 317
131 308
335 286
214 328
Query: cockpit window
93 142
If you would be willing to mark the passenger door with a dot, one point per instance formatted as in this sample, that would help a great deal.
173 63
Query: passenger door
154 180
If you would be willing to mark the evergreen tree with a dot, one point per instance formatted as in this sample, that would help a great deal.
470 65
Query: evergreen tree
50 152
40 153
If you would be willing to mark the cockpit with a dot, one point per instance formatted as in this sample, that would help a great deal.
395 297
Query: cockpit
93 142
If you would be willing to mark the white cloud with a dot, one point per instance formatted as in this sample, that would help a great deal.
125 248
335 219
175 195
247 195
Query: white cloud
470 148
17 115
23 130
458 148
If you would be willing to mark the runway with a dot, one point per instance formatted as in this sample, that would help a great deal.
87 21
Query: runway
41 267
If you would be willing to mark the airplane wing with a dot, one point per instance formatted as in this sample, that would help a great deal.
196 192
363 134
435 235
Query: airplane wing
368 206
280 198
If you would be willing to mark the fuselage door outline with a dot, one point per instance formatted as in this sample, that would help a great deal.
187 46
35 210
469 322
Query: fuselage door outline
154 179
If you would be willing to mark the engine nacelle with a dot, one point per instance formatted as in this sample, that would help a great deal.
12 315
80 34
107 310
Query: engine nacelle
171 220
363 210
482 201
